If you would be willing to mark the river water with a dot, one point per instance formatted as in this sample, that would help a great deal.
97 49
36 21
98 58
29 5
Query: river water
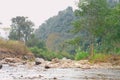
22 72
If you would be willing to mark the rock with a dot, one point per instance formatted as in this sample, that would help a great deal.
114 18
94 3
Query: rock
25 57
30 65
24 62
21 76
55 78
12 60
39 61
66 65
55 60
3 62
0 66
12 64
64 58
47 67
83 62
86 66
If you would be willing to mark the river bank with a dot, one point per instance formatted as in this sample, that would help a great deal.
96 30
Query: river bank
56 69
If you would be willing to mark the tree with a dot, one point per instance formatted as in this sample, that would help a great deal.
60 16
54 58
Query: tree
92 19
113 29
34 42
21 28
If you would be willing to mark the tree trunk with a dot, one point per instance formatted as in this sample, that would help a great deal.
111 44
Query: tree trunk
91 49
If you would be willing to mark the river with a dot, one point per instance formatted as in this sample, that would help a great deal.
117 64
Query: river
22 72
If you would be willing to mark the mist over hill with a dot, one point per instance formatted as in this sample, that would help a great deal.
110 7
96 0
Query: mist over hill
57 28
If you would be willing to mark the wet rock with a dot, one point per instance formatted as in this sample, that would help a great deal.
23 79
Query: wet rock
55 78
39 61
21 76
47 67
0 66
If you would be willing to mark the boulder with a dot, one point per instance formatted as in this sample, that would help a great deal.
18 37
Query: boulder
39 61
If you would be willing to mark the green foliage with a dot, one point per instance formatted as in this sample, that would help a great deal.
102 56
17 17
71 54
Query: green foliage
91 22
101 24
81 55
110 39
49 55
100 57
117 51
33 41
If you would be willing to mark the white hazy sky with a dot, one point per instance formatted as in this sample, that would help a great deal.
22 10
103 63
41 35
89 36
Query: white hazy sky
37 10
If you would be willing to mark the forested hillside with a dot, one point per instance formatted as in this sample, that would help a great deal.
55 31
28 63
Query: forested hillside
56 30
92 28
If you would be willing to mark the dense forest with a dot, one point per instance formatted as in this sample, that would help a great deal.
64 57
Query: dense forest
93 30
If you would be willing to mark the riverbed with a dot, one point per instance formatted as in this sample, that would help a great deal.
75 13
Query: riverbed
37 72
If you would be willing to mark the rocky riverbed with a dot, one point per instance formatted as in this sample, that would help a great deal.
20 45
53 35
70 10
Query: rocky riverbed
58 70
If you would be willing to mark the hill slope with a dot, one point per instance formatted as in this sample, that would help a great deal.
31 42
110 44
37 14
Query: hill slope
56 29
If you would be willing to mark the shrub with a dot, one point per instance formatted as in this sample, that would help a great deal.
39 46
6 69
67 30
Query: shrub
117 51
48 55
81 55
67 55
99 57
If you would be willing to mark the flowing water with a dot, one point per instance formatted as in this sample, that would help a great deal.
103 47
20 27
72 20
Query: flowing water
21 72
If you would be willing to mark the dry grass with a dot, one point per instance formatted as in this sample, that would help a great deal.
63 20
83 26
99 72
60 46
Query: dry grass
111 58
13 48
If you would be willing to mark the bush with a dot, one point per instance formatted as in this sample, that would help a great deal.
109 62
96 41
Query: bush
67 55
48 55
99 57
117 51
81 55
